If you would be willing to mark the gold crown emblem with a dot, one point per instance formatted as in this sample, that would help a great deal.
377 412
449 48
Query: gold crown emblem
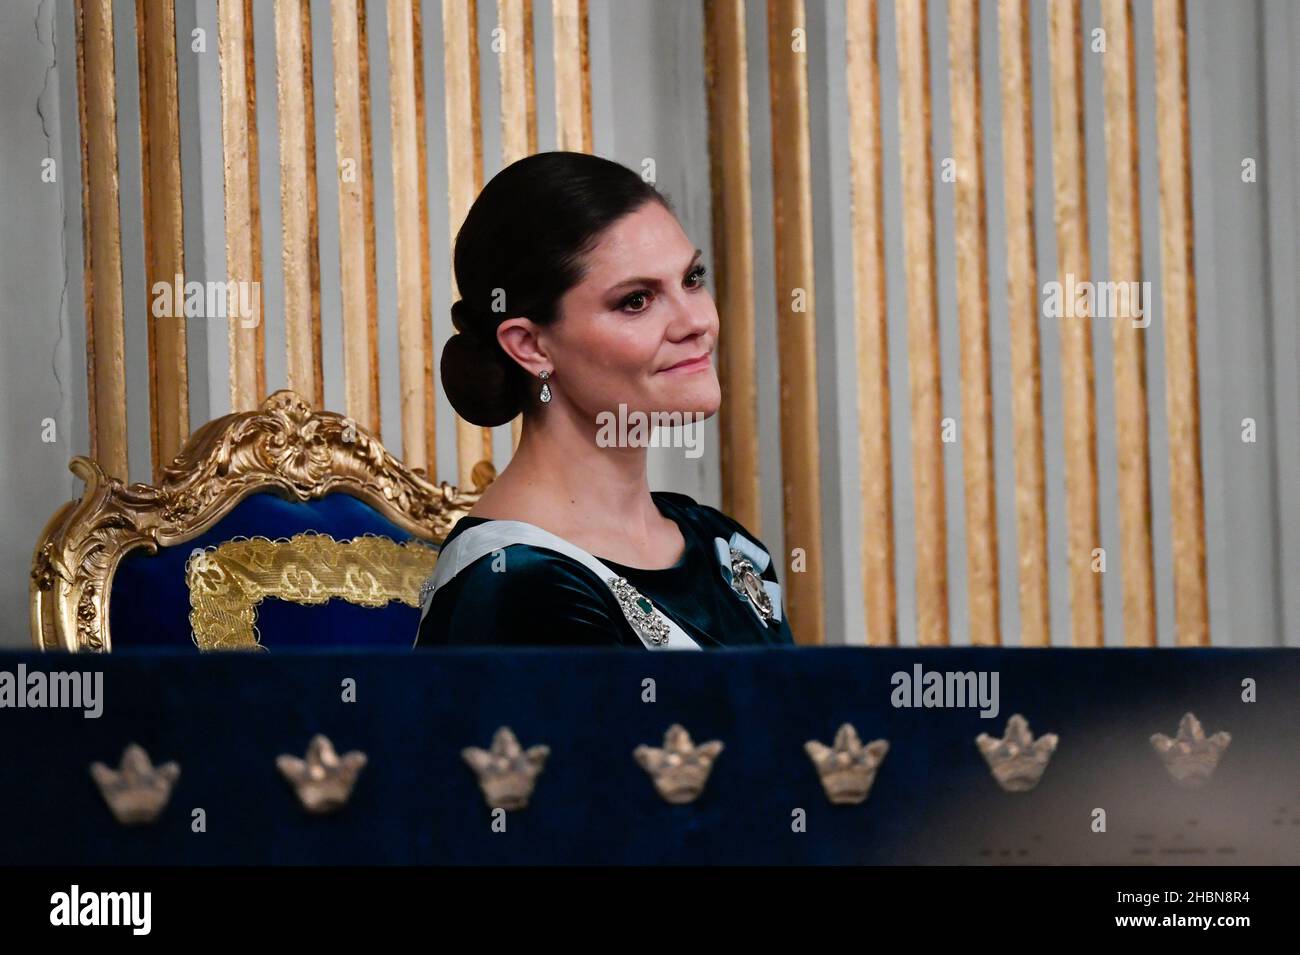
137 791
507 773
1018 760
1191 756
848 768
324 780
680 769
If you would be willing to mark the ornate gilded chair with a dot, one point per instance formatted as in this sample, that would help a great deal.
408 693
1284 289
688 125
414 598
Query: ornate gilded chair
281 527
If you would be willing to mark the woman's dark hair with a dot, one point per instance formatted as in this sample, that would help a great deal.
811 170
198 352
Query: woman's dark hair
519 250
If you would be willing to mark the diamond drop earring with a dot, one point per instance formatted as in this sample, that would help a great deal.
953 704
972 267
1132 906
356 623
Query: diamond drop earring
546 389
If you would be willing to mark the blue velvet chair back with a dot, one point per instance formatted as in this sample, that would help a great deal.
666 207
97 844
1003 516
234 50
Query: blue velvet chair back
150 604
110 569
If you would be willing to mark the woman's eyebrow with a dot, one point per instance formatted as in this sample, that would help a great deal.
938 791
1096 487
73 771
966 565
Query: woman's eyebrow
651 281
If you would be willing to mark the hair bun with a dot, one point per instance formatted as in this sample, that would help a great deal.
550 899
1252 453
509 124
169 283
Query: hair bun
467 319
476 373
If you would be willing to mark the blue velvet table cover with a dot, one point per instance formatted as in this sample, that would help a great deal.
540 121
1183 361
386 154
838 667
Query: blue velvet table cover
225 718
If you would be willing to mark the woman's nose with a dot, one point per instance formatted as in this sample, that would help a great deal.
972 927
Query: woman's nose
694 315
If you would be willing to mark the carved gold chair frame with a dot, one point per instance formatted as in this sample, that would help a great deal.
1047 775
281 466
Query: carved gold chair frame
284 447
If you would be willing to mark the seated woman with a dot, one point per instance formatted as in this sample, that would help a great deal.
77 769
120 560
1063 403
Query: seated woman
583 302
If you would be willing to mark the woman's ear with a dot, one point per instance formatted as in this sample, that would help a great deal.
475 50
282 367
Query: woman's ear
520 339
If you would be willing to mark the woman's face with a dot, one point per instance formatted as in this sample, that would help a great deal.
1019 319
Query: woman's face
639 329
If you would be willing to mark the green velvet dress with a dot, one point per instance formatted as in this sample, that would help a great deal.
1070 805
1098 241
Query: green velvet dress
544 598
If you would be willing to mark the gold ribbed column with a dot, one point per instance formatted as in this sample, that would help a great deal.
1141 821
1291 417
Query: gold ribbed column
1069 165
518 100
360 338
875 453
164 237
1124 237
105 335
1022 318
572 76
733 256
464 179
406 216
1178 285
239 157
368 186
255 205
298 213
426 278
922 324
796 325
973 316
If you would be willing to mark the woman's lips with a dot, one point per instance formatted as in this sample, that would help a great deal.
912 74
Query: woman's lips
690 365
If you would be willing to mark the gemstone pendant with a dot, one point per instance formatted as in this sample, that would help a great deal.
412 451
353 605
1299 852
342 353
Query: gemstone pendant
546 393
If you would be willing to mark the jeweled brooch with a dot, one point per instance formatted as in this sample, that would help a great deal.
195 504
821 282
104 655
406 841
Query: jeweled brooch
746 582
742 563
640 612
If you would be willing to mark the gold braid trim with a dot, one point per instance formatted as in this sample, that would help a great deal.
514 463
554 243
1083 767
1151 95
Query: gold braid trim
227 581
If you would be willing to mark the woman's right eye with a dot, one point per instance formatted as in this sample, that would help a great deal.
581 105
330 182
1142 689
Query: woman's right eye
634 297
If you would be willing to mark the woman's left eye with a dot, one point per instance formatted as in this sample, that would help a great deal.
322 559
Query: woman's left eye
638 301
